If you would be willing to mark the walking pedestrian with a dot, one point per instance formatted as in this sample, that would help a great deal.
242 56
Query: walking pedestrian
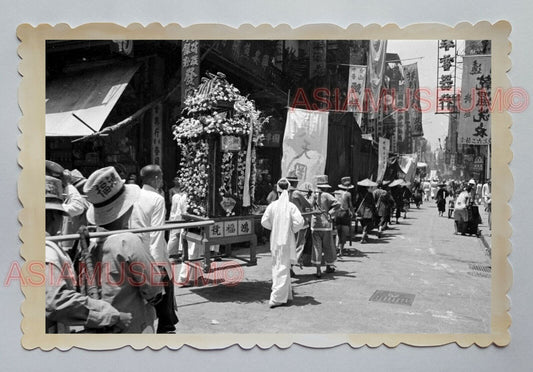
149 210
322 227
487 200
177 210
343 219
284 220
366 210
442 193
298 198
65 307
384 202
74 204
131 281
397 194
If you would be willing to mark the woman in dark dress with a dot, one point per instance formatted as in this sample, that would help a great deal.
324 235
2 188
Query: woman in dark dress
366 208
441 198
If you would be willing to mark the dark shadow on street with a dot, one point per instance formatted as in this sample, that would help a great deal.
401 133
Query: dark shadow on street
303 301
244 292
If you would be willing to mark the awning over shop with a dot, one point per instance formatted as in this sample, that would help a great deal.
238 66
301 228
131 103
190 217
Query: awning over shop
90 95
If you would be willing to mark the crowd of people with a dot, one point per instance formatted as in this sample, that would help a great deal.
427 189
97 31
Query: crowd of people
121 283
459 194
134 288
311 224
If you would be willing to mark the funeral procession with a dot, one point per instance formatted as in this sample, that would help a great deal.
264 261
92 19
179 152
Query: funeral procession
268 186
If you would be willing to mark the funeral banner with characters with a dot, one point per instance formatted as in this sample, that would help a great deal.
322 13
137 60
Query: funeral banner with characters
356 90
412 97
376 65
383 157
474 108
305 144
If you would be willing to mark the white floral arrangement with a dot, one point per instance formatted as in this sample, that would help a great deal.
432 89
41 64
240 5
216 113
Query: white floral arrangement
216 108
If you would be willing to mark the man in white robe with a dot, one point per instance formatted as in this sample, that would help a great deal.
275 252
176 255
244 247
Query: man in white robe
284 219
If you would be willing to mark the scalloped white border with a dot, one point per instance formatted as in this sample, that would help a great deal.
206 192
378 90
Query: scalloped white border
31 160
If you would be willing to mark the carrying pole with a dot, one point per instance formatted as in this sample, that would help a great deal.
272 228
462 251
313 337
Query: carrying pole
105 234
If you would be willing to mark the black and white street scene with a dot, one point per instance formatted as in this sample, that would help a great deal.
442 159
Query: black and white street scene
268 186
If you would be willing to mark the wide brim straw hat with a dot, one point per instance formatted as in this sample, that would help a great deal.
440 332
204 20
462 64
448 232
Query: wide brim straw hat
397 182
322 182
109 196
78 180
346 183
54 194
367 183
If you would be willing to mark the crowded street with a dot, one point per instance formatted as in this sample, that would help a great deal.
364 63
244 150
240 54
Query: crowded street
448 275
215 200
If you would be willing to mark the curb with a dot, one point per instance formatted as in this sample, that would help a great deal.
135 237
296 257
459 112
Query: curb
485 243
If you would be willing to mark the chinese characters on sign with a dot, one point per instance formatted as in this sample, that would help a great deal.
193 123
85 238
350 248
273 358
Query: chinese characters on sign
413 116
475 118
446 70
157 139
190 67
356 90
231 228
317 60
383 156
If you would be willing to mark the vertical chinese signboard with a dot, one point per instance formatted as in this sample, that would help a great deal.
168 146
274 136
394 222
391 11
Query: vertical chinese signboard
190 67
412 97
383 157
317 60
157 139
356 91
376 65
474 106
446 76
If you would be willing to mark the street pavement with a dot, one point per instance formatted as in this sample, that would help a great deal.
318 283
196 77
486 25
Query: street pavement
440 283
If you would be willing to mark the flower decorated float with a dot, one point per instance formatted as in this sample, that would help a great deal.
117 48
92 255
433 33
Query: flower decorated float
218 135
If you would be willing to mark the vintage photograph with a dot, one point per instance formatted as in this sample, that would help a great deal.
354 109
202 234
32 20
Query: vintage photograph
269 187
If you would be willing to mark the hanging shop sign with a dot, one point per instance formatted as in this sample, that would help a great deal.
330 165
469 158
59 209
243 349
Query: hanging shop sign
474 106
376 67
383 156
190 67
446 76
412 96
356 91
478 164
317 58
157 139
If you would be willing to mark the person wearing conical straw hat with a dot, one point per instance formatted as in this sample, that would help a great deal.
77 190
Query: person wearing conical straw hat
284 220
366 210
343 220
322 227
397 195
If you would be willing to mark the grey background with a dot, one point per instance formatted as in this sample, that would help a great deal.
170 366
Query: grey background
516 357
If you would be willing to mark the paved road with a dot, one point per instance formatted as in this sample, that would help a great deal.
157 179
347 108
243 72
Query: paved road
446 276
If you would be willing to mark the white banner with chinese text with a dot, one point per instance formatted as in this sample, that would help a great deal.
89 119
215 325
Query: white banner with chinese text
305 144
474 108
383 157
376 65
356 91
